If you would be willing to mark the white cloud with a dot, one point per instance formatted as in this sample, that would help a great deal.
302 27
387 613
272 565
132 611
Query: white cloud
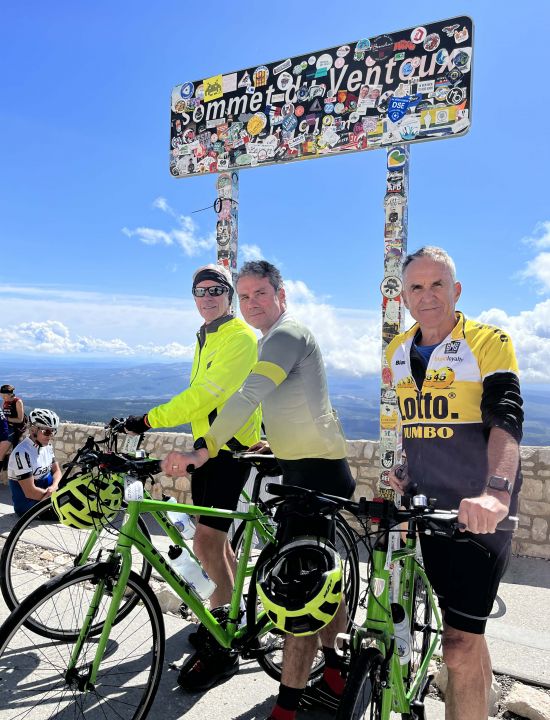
530 333
251 252
539 267
185 236
55 338
53 321
541 235
349 339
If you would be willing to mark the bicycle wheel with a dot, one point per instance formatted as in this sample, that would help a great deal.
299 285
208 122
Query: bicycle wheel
362 698
39 547
421 626
36 681
272 661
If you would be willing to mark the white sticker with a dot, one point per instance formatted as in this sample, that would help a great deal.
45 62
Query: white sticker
378 586
282 66
133 488
229 82
129 443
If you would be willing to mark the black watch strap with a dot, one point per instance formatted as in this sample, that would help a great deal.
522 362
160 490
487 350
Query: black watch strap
496 482
199 444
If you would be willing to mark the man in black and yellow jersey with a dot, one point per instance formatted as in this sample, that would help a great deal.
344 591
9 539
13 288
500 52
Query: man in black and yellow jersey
460 408
306 437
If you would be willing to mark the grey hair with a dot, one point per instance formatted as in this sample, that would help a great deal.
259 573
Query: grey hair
434 253
261 269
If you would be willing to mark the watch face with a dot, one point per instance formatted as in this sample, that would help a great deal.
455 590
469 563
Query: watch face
499 483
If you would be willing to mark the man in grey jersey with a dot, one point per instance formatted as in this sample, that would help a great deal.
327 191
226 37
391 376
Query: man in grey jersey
306 437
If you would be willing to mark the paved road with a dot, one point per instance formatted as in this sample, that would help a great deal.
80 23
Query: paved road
518 635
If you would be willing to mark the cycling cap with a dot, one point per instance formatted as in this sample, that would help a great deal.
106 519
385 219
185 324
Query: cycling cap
217 273
41 417
88 501
300 585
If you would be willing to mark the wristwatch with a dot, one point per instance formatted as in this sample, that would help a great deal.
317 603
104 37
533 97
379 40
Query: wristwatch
199 444
496 482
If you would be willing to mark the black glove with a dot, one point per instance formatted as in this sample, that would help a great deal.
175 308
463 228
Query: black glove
136 424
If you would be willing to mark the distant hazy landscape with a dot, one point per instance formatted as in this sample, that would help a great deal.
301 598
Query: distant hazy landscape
97 391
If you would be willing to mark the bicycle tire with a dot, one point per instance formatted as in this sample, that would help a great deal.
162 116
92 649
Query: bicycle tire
35 678
362 697
271 662
23 568
421 626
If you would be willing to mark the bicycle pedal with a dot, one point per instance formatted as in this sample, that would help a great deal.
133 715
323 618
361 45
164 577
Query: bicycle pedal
253 653
418 710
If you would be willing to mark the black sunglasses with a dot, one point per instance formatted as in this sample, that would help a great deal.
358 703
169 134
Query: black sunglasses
215 291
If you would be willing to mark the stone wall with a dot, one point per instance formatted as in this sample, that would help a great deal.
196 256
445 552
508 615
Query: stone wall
532 537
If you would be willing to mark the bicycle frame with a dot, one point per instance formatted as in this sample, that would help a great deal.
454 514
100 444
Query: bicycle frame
130 536
379 625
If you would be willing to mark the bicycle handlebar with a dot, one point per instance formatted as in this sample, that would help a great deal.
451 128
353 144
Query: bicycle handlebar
142 467
440 522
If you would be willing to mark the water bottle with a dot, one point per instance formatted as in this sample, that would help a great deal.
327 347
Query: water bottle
191 571
182 521
402 633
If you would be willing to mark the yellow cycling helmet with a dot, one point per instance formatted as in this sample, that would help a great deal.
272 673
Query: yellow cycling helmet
89 500
300 585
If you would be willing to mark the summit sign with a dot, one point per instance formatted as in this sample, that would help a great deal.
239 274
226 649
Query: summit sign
403 87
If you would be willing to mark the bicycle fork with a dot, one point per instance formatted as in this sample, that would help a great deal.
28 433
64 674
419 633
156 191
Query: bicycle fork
84 678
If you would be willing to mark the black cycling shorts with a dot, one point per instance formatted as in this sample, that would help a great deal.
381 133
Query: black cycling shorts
218 483
329 476
466 577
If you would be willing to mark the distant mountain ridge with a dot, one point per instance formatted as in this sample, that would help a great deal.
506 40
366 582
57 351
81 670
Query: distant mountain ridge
96 391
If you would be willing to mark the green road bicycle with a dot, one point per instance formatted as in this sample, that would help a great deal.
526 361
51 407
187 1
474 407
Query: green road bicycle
388 670
38 547
103 664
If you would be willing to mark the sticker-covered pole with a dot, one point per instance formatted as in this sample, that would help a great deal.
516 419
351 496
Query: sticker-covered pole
227 228
393 309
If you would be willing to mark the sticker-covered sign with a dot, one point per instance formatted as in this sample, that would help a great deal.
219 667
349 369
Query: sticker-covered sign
406 86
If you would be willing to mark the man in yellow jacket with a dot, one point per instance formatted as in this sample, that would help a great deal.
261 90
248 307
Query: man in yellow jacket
225 353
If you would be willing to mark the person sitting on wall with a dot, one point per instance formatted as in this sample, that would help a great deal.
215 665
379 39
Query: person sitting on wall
33 472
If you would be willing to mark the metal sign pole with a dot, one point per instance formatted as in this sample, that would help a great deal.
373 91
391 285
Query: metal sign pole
227 229
393 309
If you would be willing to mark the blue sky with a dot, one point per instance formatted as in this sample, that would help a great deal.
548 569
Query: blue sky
84 141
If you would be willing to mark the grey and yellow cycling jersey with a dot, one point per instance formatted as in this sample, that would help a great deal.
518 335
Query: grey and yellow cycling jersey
289 381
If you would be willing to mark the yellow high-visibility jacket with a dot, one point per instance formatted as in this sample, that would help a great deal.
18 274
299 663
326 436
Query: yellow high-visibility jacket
226 351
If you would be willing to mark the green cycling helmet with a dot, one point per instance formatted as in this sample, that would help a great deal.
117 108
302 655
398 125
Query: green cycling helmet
89 501
300 585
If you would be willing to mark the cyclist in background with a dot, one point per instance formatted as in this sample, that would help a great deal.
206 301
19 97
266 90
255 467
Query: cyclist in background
225 352
306 437
460 405
14 411
33 472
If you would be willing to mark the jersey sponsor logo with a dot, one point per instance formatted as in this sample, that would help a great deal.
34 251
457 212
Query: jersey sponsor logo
426 406
442 377
448 358
427 432
452 347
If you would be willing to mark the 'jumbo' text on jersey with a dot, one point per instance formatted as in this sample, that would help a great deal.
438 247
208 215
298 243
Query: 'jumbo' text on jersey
289 381
30 458
470 385
225 353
